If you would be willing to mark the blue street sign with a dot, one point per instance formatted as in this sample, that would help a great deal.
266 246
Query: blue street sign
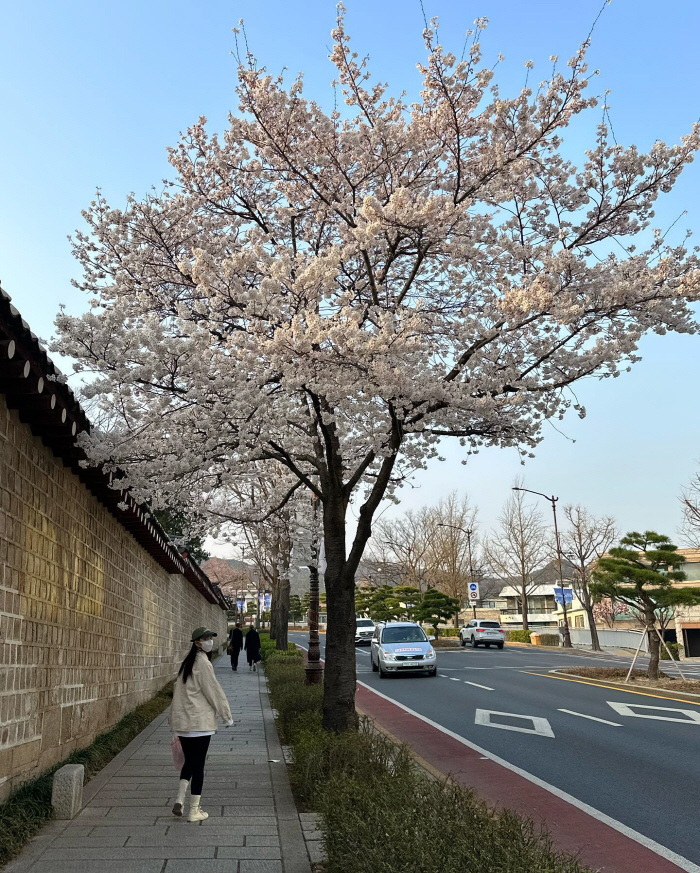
568 595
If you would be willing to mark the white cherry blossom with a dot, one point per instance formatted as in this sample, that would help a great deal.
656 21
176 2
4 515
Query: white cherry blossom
332 294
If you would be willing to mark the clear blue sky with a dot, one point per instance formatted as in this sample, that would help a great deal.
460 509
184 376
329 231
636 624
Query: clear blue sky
92 93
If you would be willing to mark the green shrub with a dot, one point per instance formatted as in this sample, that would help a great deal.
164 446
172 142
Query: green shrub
449 631
675 652
268 649
290 695
29 807
518 636
363 784
549 639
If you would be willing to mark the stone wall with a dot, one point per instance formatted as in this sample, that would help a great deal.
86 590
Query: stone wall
90 624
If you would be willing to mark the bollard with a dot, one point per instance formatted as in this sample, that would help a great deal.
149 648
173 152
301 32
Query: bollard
67 793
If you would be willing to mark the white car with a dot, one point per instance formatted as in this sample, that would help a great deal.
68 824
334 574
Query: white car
480 632
402 647
364 628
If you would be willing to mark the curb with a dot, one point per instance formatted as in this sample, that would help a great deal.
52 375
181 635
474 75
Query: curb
295 858
665 693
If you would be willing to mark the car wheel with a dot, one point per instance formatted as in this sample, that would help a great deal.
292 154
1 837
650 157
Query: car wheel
382 674
500 645
374 666
474 643
433 672
462 641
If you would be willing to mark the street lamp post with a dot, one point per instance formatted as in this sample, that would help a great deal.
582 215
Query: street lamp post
553 501
314 670
468 532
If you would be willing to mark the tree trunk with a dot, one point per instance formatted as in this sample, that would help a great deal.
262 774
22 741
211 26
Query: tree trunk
340 676
523 606
653 669
283 591
595 641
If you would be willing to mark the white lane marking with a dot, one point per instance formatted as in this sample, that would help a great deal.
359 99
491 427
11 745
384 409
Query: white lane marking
591 717
453 678
628 709
476 685
540 725
442 676
621 828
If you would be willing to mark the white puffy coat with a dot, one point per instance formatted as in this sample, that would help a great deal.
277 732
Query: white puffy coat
197 702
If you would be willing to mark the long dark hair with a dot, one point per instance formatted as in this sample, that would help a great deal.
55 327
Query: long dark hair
186 667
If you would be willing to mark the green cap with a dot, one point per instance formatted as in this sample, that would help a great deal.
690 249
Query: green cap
200 632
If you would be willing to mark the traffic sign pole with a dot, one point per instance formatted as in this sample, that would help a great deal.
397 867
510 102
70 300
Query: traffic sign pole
474 595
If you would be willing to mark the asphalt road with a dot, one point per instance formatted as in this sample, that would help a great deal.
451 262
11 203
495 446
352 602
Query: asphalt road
639 765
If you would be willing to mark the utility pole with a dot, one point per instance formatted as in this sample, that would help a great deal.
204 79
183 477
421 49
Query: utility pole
553 501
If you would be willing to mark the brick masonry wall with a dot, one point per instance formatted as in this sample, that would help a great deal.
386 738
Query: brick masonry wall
90 624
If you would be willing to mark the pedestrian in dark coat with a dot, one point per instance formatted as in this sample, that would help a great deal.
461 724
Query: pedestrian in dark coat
252 648
235 644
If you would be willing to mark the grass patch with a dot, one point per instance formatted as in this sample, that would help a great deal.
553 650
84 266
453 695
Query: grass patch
380 813
29 807
639 677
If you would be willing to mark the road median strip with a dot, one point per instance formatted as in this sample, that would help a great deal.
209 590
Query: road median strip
678 696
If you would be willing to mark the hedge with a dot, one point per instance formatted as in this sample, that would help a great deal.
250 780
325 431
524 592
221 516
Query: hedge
549 640
519 636
363 785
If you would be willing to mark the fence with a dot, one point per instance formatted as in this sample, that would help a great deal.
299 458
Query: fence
609 639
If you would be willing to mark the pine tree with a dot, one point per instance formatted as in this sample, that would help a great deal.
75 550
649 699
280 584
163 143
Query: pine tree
436 607
640 572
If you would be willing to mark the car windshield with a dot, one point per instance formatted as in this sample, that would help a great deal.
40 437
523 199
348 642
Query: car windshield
403 635
364 622
489 624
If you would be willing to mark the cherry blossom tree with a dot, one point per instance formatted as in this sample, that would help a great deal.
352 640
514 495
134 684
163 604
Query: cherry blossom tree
336 292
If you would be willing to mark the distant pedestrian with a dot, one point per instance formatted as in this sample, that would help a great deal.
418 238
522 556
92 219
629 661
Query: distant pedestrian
197 700
252 648
235 644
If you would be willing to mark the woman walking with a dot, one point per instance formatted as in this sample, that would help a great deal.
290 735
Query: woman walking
252 648
197 700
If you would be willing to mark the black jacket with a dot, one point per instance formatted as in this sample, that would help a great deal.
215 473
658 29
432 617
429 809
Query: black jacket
252 644
235 639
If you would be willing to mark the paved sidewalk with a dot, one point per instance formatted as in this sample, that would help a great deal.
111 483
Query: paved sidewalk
126 825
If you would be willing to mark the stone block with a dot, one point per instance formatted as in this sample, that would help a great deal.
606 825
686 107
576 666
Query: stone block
67 793
315 850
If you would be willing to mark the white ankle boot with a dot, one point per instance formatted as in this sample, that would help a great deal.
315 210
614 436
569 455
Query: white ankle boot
180 799
196 814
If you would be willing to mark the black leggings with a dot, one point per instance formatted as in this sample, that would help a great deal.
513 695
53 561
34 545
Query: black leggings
195 749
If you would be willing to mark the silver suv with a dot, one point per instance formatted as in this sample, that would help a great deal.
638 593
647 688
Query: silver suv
480 631
402 647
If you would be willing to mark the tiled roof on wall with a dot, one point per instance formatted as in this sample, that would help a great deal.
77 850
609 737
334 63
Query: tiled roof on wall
33 385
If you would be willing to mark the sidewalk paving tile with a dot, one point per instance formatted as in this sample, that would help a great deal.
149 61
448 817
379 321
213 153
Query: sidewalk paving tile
127 827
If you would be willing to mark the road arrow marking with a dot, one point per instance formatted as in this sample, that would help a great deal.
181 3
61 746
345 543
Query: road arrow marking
625 709
540 726
591 717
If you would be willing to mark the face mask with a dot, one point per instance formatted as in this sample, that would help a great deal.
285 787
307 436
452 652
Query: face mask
207 645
